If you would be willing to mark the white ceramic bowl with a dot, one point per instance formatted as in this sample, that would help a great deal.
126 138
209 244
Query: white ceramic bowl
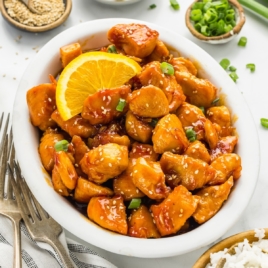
92 34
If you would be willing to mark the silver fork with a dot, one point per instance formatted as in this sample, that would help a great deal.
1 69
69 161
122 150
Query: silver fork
8 205
39 224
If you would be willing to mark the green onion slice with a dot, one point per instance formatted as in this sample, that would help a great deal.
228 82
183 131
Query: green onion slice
251 66
264 122
153 123
152 6
190 134
232 68
167 68
121 105
112 49
202 108
234 76
134 203
215 101
175 5
224 63
242 41
61 146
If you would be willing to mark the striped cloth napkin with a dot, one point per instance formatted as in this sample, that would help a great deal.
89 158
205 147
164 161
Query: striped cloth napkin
41 255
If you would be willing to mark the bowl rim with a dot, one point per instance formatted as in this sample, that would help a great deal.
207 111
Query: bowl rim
229 35
37 29
227 243
145 248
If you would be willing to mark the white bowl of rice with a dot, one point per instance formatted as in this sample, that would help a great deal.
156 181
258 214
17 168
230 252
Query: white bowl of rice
246 249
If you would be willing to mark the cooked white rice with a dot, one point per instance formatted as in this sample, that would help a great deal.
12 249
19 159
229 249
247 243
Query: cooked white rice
246 255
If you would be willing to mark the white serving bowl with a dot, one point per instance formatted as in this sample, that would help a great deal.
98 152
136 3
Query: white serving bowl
92 34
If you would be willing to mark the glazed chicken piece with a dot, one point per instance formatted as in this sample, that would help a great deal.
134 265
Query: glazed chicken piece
69 52
112 133
46 148
211 135
150 179
211 201
109 213
106 137
192 117
136 40
140 224
173 212
224 146
105 162
75 125
80 148
41 104
143 150
160 52
58 185
63 171
199 92
190 172
198 150
100 107
226 165
182 64
124 186
220 115
152 74
137 129
149 101
85 189
169 135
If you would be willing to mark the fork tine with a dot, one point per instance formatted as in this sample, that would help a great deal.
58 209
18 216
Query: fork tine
11 152
5 130
26 193
1 120
3 158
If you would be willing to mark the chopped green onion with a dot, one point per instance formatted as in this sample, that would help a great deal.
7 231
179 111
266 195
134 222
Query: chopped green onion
242 41
232 68
167 68
214 18
190 134
224 63
251 66
61 146
175 5
152 6
234 76
134 203
121 105
196 15
215 101
264 122
153 122
112 49
202 108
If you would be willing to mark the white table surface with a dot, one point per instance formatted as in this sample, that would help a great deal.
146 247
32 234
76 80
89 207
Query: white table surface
17 48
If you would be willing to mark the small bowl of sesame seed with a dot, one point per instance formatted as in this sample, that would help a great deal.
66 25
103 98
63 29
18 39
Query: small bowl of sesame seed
49 14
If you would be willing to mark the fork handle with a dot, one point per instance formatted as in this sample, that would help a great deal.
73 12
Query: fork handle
59 248
17 243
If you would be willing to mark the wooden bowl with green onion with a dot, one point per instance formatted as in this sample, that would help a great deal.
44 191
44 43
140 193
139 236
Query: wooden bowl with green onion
215 21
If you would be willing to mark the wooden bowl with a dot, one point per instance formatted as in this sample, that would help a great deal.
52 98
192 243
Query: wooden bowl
36 29
228 243
240 21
